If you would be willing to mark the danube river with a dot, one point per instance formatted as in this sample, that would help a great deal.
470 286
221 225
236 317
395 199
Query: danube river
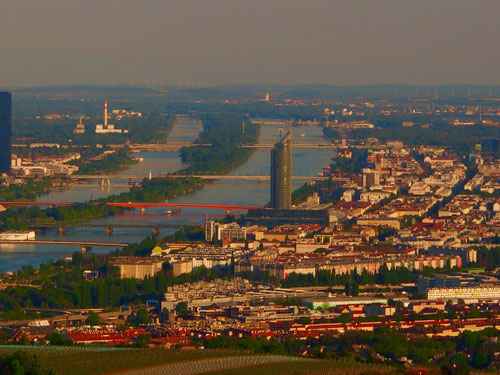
306 162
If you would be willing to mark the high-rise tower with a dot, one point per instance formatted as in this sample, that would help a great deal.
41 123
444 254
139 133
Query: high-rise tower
281 173
5 130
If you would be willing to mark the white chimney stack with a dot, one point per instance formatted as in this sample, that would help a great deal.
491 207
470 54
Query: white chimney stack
105 114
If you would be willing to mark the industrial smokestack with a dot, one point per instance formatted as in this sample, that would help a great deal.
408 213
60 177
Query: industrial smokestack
105 114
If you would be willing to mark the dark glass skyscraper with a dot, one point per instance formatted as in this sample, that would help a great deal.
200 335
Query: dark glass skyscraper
281 173
5 130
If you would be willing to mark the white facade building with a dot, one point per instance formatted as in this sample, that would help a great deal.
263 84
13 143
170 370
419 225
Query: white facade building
107 128
467 293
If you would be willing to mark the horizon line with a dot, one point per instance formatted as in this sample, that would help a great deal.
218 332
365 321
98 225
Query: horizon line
196 85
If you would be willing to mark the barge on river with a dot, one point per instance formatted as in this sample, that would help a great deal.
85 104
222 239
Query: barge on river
17 235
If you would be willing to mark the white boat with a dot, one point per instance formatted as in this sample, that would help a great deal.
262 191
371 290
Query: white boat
174 211
17 235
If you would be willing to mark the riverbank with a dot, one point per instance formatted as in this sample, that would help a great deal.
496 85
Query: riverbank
21 218
30 190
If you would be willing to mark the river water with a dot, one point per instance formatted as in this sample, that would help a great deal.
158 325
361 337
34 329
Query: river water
306 162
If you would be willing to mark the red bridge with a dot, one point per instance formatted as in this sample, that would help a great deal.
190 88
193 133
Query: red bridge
226 207
196 205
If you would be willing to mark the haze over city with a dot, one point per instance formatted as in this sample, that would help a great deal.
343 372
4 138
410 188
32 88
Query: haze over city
268 42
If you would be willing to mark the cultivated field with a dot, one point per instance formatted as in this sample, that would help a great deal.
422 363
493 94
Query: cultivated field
316 367
115 361
86 361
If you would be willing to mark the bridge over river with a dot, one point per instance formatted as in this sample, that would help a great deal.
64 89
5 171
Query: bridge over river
203 177
135 205
66 243
142 225
177 144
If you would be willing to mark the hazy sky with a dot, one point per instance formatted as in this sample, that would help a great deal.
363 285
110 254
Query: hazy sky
212 42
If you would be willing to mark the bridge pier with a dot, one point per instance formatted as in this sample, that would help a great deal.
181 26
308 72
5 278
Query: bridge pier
108 230
104 181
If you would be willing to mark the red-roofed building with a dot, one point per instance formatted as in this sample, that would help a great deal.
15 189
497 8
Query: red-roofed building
105 336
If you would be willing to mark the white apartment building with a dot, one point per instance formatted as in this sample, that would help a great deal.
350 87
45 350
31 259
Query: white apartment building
467 293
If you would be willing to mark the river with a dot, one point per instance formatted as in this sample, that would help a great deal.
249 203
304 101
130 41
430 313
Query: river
306 162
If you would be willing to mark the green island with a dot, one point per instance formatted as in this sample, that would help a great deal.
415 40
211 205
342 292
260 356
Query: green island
115 161
157 189
224 132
